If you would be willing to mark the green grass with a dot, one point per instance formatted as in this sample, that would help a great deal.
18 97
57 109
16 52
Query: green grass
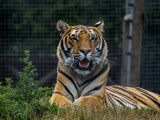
28 102
107 114
43 111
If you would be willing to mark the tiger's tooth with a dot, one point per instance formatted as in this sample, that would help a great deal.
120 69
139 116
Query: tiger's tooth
80 64
88 64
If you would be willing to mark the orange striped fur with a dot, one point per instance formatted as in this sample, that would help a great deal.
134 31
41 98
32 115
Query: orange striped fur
82 73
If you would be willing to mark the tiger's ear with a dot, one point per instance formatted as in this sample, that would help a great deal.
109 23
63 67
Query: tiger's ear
62 26
99 25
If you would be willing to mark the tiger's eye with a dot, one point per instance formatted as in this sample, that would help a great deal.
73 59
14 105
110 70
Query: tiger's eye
73 38
73 35
93 38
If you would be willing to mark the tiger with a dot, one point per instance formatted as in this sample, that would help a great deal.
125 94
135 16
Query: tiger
82 72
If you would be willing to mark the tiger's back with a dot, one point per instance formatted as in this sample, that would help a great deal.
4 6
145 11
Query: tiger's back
131 97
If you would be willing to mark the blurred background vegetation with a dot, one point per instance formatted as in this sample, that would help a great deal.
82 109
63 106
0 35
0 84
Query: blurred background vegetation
31 24
150 59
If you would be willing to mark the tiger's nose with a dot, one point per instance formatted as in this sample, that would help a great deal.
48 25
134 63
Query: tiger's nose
85 51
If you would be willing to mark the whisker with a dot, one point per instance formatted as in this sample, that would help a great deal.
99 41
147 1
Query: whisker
112 62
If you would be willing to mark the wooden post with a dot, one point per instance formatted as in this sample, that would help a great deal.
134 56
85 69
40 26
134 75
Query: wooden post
132 39
137 33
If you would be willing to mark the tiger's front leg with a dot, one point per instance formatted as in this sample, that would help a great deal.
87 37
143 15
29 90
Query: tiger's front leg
90 103
59 97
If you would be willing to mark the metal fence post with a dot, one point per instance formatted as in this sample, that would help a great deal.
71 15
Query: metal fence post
132 37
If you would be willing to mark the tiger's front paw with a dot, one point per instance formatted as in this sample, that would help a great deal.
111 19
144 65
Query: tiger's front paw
89 103
64 103
61 101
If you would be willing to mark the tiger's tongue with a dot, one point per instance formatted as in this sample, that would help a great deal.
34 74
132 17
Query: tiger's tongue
84 63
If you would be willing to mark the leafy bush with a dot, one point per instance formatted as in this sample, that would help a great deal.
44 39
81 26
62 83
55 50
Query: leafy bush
26 100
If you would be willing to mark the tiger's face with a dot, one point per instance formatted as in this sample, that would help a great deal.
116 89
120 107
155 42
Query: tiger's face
81 48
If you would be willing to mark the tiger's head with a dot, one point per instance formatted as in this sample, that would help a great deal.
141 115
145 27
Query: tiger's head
81 48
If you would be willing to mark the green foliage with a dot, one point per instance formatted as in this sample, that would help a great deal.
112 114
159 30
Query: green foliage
26 100
27 86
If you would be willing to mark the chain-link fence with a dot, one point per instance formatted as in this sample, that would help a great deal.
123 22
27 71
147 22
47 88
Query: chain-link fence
150 62
31 25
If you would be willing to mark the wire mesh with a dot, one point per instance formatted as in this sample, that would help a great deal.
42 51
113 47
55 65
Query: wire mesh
150 62
31 25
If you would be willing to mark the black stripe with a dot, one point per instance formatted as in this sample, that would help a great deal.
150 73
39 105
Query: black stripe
100 97
100 39
101 50
62 48
122 104
142 101
58 93
69 78
144 91
67 90
102 46
110 99
98 43
105 101
129 92
121 94
66 42
118 99
94 89
135 96
102 43
94 77
149 97
62 45
69 49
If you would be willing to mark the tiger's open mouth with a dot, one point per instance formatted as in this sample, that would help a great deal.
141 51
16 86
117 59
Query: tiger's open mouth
84 64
